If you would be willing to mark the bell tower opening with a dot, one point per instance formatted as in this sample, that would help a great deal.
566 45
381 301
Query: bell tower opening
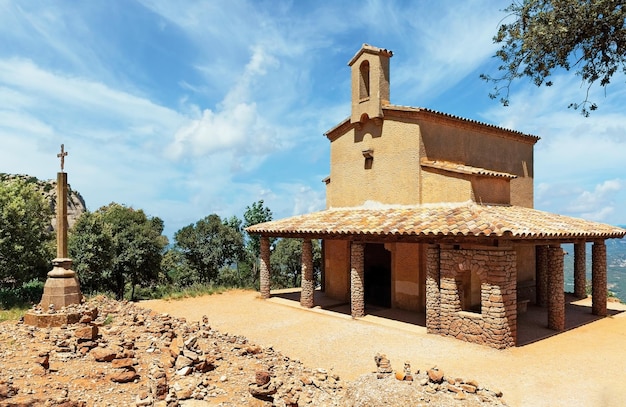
364 83
370 83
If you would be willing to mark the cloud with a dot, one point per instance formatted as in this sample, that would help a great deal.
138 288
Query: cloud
597 202
237 125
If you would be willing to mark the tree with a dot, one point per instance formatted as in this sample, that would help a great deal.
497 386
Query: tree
25 233
255 214
286 262
137 245
209 245
175 269
90 245
587 35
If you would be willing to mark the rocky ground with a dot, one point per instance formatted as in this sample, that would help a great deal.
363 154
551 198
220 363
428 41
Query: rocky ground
123 355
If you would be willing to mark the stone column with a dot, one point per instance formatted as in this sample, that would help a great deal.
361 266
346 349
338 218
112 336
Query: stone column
598 279
62 215
433 300
541 267
580 277
556 293
62 287
265 268
308 283
357 279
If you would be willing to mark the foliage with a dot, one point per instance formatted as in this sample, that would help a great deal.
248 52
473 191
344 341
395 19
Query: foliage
195 290
209 245
254 214
23 296
119 246
25 238
286 262
90 245
13 313
176 270
587 35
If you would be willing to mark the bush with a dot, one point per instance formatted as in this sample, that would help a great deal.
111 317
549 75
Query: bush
25 296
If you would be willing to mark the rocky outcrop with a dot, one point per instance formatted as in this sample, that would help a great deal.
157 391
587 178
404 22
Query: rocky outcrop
75 202
119 354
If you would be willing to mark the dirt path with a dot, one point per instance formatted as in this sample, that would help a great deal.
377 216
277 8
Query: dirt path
585 366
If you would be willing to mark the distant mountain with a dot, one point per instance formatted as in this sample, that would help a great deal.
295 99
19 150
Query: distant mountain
75 202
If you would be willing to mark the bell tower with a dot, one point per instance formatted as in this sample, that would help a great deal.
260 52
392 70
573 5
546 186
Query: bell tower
370 84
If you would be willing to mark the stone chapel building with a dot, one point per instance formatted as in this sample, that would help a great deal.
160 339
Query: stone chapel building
433 213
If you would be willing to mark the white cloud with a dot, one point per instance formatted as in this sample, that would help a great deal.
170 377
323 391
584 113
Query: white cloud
599 203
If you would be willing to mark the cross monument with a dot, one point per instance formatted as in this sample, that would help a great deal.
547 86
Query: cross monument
62 287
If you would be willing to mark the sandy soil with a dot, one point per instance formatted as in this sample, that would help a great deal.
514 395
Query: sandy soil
584 366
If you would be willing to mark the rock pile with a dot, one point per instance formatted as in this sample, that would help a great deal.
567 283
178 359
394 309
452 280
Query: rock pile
119 354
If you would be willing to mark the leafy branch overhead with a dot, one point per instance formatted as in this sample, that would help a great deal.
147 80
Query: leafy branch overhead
588 36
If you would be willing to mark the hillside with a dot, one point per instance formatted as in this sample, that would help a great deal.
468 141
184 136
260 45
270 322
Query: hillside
75 202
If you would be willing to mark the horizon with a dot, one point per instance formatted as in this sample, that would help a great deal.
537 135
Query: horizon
192 109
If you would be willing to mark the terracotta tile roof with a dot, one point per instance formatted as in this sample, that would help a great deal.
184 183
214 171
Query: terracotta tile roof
437 221
464 169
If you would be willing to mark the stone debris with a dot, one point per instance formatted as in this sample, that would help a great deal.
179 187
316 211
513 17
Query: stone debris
383 366
116 353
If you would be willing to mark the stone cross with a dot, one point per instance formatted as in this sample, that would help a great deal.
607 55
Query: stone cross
62 155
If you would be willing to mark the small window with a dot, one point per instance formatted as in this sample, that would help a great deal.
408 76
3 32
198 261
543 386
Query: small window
470 292
364 83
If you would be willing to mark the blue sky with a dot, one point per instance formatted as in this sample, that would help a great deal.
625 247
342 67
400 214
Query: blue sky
189 108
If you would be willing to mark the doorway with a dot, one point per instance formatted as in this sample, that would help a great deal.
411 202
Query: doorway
377 275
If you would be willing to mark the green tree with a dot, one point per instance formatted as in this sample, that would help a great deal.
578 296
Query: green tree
90 245
254 214
137 245
25 233
176 270
286 262
209 245
586 35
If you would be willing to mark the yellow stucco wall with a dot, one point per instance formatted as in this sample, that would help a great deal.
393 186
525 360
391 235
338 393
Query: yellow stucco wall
337 266
467 145
441 187
406 276
395 176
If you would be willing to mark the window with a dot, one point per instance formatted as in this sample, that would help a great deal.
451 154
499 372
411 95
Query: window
364 82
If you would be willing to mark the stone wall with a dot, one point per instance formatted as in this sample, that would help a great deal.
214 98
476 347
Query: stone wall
496 324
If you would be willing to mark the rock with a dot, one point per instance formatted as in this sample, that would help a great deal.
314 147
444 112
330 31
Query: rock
383 366
262 377
184 371
103 354
435 375
468 388
407 372
87 333
143 400
124 376
123 363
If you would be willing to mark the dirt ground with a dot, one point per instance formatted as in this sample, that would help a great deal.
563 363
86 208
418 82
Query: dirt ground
584 366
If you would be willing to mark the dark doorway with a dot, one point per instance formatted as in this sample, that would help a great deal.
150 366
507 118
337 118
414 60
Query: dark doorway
377 275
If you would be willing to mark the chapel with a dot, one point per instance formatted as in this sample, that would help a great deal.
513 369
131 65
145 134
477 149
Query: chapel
433 213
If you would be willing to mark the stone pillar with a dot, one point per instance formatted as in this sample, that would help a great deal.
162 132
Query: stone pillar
433 301
541 267
357 279
308 282
265 268
62 287
556 293
62 215
598 279
580 272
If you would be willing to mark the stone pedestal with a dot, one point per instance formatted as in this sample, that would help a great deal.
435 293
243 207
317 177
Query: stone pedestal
62 287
